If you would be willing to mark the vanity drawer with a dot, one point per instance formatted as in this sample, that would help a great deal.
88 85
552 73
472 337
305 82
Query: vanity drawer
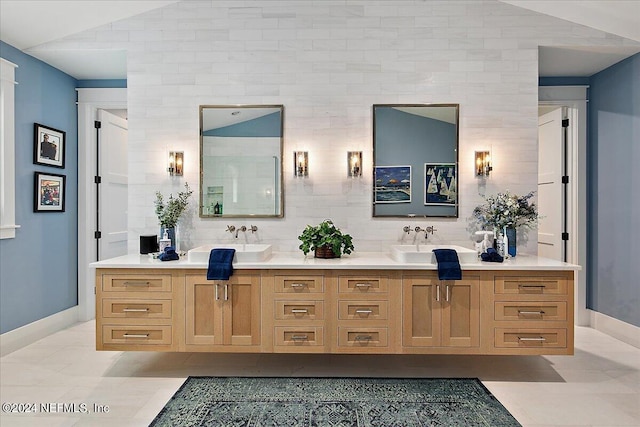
136 283
298 337
530 285
531 338
136 335
136 309
531 311
363 310
299 310
362 337
299 284
363 285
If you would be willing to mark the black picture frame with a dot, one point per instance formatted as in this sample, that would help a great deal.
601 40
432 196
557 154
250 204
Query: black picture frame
49 192
49 146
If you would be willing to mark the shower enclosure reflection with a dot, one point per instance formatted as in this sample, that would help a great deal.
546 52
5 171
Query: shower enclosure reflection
241 161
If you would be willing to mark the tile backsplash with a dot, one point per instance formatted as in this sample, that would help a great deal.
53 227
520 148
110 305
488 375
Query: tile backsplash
328 62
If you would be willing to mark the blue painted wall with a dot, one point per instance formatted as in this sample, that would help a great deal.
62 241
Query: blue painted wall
265 126
39 268
95 83
613 270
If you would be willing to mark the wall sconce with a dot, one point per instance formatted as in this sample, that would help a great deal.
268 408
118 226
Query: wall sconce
300 163
483 163
176 162
354 163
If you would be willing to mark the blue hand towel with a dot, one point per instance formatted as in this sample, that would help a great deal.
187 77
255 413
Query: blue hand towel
448 264
220 264
491 255
169 254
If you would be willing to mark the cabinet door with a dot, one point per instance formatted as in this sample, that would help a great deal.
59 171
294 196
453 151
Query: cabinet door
421 312
203 311
241 312
461 312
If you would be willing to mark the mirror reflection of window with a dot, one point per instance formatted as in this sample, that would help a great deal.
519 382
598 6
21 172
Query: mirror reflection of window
415 160
240 156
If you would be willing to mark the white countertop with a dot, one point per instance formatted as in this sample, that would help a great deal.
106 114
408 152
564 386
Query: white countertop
357 260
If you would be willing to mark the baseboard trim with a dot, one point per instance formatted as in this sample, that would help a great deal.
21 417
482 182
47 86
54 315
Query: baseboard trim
28 334
618 329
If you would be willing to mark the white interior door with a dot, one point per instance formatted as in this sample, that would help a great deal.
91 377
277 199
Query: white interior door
113 204
550 187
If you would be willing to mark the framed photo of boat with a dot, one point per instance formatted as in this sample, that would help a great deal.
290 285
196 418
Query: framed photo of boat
392 184
441 184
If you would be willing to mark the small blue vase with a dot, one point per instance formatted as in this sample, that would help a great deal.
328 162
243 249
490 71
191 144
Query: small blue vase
511 236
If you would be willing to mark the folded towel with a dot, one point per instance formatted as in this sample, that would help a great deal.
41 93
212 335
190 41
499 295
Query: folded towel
169 254
448 264
491 255
220 264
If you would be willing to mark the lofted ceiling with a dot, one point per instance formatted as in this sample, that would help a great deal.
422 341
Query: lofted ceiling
27 24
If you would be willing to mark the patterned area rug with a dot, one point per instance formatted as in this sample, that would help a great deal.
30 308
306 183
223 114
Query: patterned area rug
344 402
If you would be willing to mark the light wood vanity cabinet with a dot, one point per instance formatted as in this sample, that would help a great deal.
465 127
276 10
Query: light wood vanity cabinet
221 314
440 313
533 312
295 312
136 310
335 311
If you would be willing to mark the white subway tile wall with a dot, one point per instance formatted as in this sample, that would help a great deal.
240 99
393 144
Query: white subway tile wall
328 62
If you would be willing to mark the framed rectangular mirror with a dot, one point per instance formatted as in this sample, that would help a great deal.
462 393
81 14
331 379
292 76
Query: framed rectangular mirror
241 161
415 155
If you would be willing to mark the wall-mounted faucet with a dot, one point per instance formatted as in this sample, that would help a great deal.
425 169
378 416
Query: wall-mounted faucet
243 228
406 229
239 229
430 229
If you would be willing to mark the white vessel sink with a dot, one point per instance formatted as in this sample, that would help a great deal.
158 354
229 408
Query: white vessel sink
251 252
424 253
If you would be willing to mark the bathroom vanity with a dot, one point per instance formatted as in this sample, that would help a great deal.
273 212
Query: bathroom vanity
362 303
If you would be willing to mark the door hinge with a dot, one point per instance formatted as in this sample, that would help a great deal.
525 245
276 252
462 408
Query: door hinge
565 236
97 180
97 124
97 234
565 123
565 179
94 290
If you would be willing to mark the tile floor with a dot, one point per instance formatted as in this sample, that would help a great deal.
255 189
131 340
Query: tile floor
598 386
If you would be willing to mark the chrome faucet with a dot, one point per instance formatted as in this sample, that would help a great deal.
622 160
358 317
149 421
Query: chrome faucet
243 229
231 228
406 229
253 229
427 230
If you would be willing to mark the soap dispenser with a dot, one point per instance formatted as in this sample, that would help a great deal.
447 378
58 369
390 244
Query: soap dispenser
165 242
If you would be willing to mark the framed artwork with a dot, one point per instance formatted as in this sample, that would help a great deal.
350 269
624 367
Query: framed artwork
440 184
392 184
49 192
49 146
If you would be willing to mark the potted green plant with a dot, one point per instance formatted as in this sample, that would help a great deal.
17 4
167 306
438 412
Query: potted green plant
326 240
170 211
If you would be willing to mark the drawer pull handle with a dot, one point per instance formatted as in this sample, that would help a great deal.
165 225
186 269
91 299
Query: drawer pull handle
298 285
299 310
135 310
299 337
363 338
137 283
539 339
136 335
522 285
364 311
536 313
363 285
